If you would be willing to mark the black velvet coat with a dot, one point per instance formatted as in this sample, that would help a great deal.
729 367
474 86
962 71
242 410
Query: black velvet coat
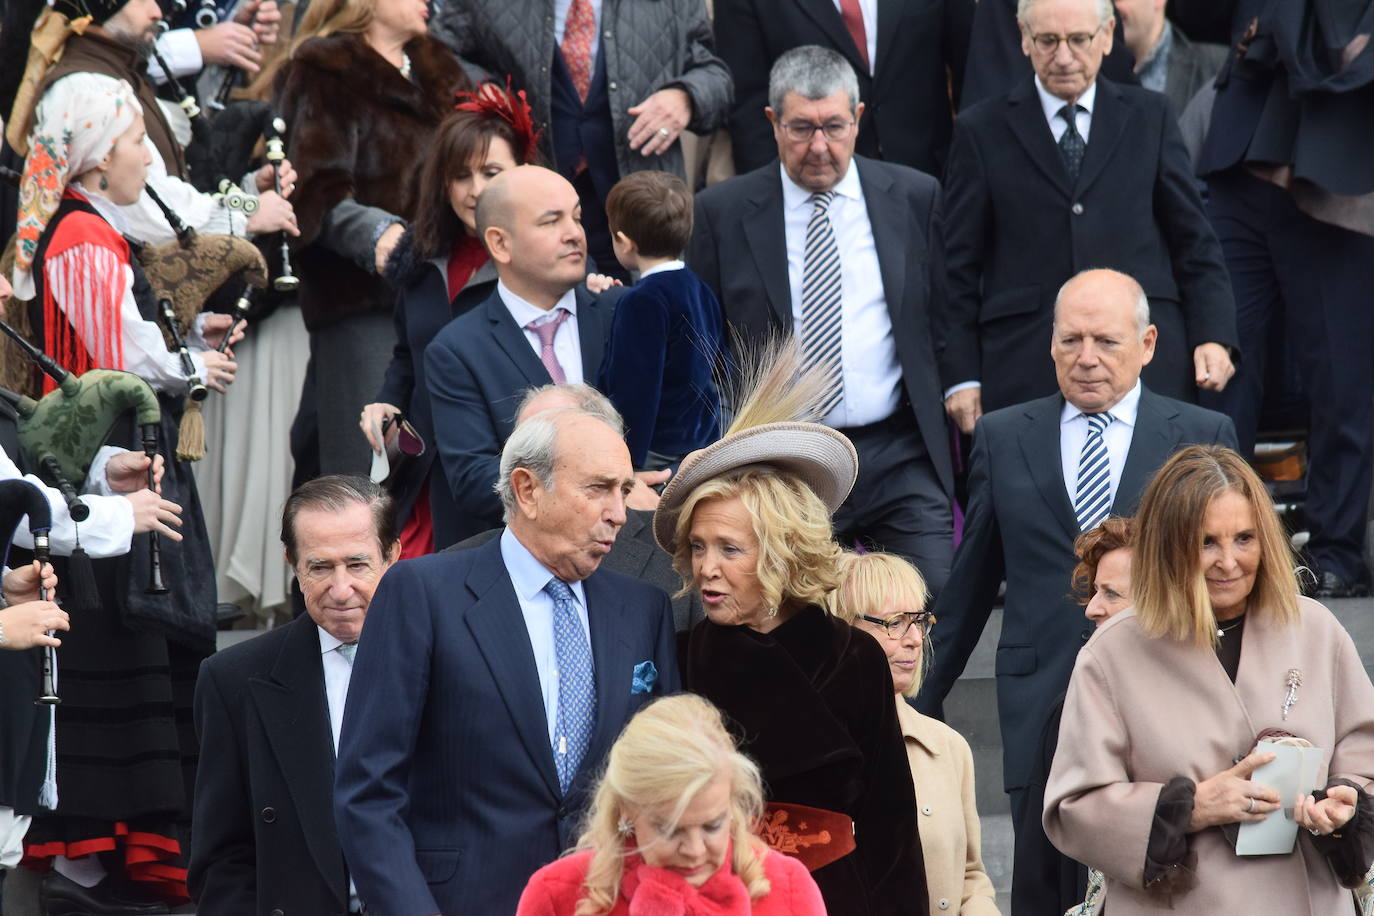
812 703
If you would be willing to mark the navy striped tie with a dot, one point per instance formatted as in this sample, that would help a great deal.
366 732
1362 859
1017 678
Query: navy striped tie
1094 497
821 300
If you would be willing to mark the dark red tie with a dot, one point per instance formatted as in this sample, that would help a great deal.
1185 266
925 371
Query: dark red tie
854 21
578 34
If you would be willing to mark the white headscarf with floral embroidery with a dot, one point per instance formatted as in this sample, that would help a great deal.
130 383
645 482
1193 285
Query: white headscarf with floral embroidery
78 121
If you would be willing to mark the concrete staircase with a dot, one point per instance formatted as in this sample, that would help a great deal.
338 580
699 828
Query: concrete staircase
972 710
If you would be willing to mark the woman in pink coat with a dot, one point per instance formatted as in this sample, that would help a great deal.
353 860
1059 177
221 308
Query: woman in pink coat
669 832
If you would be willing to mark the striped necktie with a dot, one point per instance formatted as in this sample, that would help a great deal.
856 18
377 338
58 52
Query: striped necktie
822 289
576 684
1094 497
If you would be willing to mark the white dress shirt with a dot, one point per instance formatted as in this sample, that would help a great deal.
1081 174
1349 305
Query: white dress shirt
560 25
661 268
869 9
529 577
566 346
1051 104
337 671
868 351
1073 432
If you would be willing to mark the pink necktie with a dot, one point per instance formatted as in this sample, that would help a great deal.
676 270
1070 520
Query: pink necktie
546 328
578 34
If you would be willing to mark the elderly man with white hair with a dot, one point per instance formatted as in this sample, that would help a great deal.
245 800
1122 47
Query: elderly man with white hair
489 683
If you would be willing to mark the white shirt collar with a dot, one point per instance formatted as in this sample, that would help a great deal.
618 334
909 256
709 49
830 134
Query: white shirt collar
327 643
795 196
1052 103
110 211
661 268
1124 411
523 311
527 574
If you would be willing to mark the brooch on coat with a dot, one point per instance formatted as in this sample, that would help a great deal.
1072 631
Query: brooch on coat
1292 680
644 678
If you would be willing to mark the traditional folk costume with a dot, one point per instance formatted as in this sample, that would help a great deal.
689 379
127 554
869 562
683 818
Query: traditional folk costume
125 749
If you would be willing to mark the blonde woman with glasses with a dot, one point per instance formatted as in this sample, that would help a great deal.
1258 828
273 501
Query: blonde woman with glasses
885 596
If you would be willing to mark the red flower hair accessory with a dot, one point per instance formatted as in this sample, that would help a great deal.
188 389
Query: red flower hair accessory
511 107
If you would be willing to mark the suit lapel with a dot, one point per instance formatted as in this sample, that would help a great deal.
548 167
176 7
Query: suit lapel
888 219
592 320
510 338
1039 440
614 665
1108 124
498 629
889 20
295 715
1027 121
828 18
766 237
1155 438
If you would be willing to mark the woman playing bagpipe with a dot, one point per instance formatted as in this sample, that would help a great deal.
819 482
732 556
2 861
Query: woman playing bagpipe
123 762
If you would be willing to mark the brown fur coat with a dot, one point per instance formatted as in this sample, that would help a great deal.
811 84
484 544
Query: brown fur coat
356 128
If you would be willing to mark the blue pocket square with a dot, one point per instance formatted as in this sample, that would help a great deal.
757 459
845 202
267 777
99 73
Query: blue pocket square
644 679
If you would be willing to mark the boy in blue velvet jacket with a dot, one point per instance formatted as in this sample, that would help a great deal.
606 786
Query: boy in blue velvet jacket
666 336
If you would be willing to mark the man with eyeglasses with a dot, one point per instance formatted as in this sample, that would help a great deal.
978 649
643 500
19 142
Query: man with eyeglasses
1070 171
846 253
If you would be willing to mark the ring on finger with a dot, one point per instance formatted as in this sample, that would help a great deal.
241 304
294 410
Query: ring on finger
663 131
1313 832
1251 809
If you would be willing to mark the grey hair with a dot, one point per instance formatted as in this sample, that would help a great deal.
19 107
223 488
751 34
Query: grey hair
534 446
584 398
1142 302
812 72
1105 10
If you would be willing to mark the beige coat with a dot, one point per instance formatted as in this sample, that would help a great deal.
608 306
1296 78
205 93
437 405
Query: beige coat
942 769
1141 711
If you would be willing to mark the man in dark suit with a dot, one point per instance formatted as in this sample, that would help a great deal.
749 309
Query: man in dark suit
847 252
1165 59
481 363
268 712
1040 473
1066 172
492 681
908 55
635 552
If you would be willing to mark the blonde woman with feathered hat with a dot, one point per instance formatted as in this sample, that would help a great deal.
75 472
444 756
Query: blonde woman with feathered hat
748 523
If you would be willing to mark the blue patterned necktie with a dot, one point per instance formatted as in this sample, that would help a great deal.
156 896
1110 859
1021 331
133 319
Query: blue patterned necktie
1072 144
821 300
1094 497
348 650
576 684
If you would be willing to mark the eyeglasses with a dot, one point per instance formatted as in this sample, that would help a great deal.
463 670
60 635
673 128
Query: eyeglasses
1078 42
803 131
898 625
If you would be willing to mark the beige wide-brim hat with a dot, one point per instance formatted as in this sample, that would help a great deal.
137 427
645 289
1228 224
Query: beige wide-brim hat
822 458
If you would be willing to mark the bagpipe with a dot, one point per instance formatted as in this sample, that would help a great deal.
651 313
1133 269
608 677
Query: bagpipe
63 431
19 498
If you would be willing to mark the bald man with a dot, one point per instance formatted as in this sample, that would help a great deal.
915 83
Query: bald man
541 326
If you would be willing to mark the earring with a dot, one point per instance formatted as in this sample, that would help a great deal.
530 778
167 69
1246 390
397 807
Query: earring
625 828
104 183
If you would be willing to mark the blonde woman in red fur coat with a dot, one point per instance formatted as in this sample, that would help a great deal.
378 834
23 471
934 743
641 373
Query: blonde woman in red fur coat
669 831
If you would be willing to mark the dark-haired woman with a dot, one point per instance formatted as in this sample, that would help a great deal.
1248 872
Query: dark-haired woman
443 270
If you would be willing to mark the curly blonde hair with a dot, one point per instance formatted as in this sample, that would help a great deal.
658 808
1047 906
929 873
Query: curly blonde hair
671 750
799 561
871 581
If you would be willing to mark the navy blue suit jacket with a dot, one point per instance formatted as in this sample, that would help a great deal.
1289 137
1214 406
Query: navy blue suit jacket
1020 526
446 794
665 344
477 369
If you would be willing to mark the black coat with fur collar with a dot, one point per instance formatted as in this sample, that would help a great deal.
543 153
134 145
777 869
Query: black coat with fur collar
356 129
